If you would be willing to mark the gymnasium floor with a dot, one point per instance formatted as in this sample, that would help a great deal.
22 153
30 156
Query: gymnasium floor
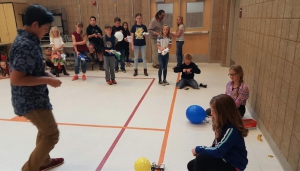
106 128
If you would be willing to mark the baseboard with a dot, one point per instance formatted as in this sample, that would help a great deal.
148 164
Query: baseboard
285 165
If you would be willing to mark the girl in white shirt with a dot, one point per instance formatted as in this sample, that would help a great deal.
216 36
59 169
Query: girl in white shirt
57 50
164 42
179 34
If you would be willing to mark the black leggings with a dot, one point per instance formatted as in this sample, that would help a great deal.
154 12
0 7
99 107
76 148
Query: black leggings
126 55
241 109
204 162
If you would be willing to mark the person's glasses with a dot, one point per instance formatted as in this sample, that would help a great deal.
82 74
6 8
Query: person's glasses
231 75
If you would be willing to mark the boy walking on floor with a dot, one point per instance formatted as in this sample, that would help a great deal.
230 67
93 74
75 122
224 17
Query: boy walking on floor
28 76
110 42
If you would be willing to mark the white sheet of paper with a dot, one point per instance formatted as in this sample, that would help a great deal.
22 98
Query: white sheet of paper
129 38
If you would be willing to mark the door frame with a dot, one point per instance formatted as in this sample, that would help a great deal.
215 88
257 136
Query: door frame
232 39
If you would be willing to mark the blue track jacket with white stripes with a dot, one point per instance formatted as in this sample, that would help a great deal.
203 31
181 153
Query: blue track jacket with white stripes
230 147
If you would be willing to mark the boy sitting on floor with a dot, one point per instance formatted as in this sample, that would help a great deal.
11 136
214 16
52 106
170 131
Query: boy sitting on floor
188 69
48 61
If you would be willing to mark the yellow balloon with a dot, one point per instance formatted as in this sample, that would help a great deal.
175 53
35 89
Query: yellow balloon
142 164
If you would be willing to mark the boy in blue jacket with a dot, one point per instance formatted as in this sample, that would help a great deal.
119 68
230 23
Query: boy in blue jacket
228 152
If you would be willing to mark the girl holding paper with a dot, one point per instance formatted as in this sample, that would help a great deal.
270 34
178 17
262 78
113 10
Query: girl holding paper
138 32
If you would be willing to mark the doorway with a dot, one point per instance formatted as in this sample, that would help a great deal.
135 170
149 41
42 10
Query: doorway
233 31
196 18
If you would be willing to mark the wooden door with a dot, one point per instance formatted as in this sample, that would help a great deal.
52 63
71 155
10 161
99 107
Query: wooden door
3 28
10 21
19 9
197 23
171 7
196 18
235 31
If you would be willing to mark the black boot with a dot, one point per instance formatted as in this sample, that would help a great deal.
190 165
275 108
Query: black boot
145 72
135 72
101 66
64 70
56 71
53 71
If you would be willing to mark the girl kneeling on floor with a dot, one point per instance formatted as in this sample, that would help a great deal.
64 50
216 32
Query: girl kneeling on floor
228 151
237 89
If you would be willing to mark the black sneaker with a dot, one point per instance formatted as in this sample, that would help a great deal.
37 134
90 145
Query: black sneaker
203 85
123 70
165 82
116 70
161 83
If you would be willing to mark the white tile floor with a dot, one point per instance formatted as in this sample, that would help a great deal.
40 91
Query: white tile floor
92 114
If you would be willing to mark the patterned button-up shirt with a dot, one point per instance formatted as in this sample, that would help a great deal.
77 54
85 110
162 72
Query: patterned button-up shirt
26 57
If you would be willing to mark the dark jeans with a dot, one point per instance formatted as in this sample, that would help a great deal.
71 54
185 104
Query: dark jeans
49 63
204 162
78 62
98 48
187 82
179 55
163 65
122 51
241 109
51 66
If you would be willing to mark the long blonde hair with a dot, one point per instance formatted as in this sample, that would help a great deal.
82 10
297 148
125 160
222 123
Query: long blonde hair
181 21
238 70
52 30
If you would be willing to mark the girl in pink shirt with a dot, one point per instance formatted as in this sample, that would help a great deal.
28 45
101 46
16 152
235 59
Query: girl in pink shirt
236 89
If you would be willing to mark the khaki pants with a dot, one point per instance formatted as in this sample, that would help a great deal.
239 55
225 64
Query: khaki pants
46 138
154 51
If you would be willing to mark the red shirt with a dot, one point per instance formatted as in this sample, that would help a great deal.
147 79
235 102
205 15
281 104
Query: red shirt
3 58
78 38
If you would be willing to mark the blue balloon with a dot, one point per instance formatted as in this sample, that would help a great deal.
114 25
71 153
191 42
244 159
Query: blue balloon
195 114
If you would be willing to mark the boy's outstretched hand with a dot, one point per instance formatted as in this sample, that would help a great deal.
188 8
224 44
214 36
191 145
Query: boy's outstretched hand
194 152
54 82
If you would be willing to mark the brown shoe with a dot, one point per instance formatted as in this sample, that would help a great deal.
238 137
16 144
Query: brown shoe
135 72
156 66
145 72
54 163
109 82
114 81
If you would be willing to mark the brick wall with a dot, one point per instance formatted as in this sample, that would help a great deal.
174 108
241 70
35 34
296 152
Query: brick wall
269 51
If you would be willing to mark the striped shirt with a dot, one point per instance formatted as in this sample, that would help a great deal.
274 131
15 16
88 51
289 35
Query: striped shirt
164 42
243 93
